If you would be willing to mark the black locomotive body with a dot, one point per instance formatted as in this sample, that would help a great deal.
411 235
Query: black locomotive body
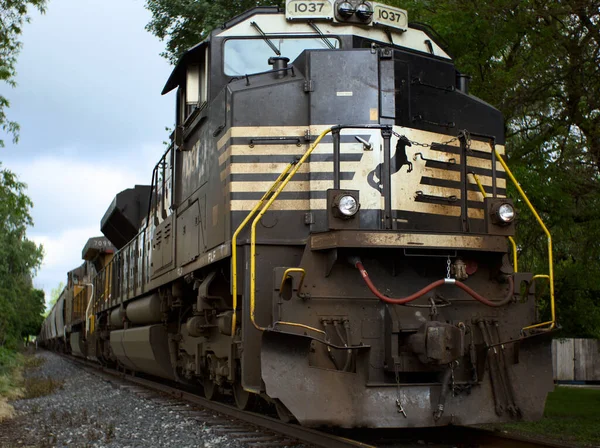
309 150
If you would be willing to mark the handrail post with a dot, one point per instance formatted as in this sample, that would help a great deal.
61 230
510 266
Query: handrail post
234 244
552 322
386 178
494 173
336 134
464 200
263 210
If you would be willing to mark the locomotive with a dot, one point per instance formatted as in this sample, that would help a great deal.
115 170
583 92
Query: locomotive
328 231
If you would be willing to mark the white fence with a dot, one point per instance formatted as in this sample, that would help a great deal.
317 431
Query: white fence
576 359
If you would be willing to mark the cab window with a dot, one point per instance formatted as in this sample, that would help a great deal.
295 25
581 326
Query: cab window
194 94
245 56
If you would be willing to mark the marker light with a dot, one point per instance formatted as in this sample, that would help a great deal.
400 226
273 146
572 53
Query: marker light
506 213
364 11
347 205
345 9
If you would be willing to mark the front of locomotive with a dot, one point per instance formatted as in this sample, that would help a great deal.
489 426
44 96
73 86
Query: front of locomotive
403 308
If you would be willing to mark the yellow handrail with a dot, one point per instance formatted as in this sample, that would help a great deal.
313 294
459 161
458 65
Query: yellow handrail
287 273
510 238
234 243
253 238
552 322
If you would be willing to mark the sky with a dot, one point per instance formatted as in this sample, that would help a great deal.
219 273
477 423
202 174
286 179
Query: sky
92 120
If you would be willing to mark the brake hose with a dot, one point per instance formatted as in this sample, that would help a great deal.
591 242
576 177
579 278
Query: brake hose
445 281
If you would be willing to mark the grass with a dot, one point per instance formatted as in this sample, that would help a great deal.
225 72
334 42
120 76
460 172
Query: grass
10 380
18 380
572 415
11 374
38 387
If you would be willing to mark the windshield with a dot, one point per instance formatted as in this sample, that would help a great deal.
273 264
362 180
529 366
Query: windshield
244 56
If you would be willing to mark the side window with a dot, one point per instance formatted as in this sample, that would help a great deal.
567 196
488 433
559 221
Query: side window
192 88
196 85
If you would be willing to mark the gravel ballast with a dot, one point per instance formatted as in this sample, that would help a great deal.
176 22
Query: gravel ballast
88 411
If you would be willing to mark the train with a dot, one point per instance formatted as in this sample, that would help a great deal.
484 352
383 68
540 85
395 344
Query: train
328 231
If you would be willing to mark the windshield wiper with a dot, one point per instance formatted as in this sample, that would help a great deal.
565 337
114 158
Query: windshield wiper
320 33
265 38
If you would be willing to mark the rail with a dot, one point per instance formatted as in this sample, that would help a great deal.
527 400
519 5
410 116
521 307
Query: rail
234 275
307 436
90 319
260 214
281 182
550 276
272 193
359 437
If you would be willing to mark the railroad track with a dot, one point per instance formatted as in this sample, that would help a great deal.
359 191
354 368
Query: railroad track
262 431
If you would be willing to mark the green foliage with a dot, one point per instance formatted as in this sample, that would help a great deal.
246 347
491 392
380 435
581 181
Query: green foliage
10 362
184 23
539 63
55 294
21 305
571 415
13 15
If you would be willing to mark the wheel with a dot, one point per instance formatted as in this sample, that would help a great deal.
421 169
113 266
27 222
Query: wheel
211 389
283 413
244 400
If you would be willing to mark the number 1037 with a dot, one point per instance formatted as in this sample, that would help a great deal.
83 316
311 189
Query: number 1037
308 7
390 15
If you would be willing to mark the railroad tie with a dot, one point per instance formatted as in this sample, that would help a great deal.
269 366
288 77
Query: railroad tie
256 439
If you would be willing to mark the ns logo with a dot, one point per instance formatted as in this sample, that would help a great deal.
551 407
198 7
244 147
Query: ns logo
396 163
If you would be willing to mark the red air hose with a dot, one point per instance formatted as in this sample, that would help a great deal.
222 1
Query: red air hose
422 292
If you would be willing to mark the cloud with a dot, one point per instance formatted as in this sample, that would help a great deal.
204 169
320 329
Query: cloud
68 192
92 119
62 253
90 74
70 198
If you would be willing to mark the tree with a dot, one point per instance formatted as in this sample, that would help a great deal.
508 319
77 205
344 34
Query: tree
184 23
539 63
54 296
21 306
13 15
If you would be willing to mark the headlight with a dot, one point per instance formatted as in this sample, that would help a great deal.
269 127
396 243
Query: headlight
364 11
345 9
506 213
347 205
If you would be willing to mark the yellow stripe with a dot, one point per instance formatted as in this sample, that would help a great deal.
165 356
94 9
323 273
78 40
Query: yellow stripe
475 145
294 185
281 204
321 204
262 131
472 195
440 173
265 168
223 140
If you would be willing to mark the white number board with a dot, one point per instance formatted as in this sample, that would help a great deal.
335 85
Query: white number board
389 16
299 9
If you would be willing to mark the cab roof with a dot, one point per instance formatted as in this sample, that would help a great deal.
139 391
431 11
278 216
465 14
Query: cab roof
177 76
